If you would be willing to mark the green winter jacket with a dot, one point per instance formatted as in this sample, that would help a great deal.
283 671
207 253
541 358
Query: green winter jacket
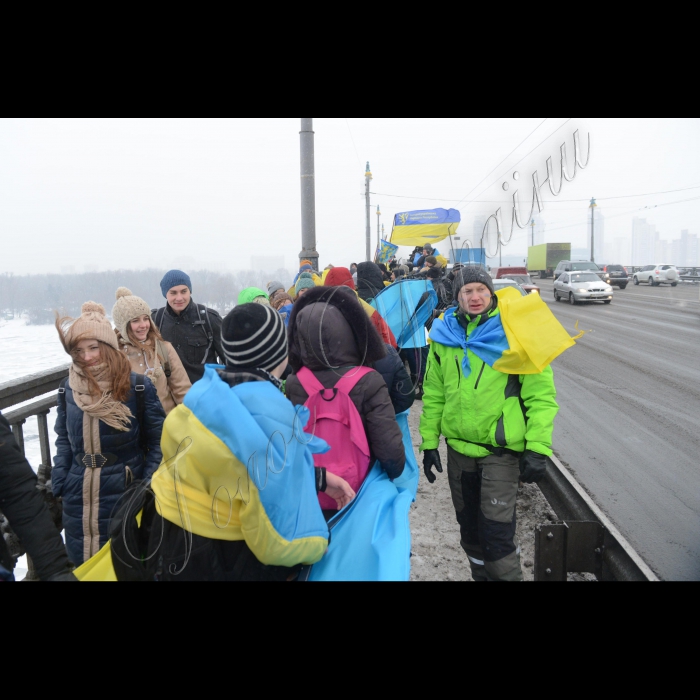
511 411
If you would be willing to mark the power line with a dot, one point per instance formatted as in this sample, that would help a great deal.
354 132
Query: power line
505 159
353 141
552 201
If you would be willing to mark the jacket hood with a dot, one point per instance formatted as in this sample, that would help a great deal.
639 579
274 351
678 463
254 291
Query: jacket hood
329 328
370 280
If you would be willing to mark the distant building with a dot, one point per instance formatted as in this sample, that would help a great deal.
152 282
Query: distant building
685 250
644 239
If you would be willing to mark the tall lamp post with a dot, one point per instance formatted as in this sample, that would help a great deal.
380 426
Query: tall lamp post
592 207
532 227
368 232
379 237
308 194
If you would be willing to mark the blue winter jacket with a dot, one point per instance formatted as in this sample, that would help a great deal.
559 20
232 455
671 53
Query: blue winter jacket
90 495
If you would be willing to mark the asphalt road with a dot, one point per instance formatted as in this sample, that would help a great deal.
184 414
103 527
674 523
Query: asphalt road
629 420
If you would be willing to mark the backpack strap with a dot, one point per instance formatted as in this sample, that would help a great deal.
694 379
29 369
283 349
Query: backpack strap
210 334
158 316
309 382
140 391
162 353
349 380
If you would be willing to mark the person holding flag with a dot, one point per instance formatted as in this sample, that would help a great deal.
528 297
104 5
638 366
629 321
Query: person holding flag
490 391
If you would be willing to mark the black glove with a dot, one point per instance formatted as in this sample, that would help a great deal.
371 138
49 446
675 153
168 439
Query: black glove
532 467
431 458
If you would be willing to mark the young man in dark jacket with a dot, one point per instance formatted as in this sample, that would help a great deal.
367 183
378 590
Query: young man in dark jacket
193 329
24 506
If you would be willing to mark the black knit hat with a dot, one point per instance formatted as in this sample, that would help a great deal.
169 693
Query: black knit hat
470 274
254 336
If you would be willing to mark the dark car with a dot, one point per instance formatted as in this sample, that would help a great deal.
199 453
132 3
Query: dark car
615 275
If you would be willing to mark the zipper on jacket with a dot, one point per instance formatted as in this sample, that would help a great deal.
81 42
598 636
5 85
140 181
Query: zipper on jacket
459 371
478 379
128 476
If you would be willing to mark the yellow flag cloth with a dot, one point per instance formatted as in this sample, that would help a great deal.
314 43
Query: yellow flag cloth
97 568
535 336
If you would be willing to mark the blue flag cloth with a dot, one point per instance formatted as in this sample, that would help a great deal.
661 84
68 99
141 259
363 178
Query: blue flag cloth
406 306
385 251
487 341
371 537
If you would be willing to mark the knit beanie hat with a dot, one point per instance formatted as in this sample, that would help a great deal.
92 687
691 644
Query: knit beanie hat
434 273
274 286
305 281
431 259
174 278
428 247
254 336
303 263
128 307
249 294
339 277
470 274
92 323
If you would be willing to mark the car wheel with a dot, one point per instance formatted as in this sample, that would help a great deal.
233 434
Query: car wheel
673 284
572 299
651 282
622 286
606 301
636 280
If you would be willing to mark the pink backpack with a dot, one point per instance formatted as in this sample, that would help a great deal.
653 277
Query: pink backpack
335 419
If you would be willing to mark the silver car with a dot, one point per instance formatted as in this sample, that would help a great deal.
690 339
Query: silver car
582 286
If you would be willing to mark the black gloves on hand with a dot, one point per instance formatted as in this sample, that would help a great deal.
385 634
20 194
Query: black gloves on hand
431 458
532 467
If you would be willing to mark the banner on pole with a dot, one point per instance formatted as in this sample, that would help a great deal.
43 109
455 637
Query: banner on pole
385 252
424 226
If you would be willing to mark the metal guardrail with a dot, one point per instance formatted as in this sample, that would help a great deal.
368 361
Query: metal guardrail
18 391
585 540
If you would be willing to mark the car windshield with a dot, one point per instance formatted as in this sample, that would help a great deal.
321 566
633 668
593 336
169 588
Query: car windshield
499 284
615 268
584 266
585 277
520 279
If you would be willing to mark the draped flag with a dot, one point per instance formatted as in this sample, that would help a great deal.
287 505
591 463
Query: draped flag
406 306
524 338
371 536
424 226
385 251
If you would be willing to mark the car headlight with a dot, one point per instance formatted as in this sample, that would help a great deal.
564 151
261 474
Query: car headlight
582 290
534 291
609 289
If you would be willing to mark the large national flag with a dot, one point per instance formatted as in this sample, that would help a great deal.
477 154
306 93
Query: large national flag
371 537
424 226
406 306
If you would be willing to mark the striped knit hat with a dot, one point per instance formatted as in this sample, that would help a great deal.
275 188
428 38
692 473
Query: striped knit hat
254 336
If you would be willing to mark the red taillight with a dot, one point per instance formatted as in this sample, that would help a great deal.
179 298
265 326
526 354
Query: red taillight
657 272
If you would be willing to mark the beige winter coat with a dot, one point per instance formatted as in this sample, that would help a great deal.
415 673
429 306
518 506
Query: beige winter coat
144 360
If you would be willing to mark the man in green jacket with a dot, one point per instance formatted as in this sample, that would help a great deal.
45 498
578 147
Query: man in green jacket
498 427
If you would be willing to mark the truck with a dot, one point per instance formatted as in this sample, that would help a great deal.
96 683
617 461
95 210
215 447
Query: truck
469 256
543 259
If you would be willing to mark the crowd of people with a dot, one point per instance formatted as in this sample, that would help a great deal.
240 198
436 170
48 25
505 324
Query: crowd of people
245 435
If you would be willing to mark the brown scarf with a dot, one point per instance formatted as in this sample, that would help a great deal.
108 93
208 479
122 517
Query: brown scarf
114 413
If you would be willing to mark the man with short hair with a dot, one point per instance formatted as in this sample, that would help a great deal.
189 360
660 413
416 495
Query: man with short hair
193 329
498 425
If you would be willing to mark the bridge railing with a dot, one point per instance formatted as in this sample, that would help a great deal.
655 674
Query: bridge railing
18 391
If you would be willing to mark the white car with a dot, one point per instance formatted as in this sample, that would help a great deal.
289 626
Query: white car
655 275
582 286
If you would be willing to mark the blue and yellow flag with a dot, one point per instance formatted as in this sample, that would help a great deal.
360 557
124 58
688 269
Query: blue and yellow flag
385 251
524 336
424 226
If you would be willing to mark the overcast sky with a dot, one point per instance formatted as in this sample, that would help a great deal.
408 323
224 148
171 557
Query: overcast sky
201 193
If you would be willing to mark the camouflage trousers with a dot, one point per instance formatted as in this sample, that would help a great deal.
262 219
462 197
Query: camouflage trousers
484 491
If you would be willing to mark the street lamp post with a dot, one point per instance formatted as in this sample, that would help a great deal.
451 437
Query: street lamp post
532 227
592 207
379 237
308 194
368 232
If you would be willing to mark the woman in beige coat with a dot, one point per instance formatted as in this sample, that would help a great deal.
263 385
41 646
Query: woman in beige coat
146 350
